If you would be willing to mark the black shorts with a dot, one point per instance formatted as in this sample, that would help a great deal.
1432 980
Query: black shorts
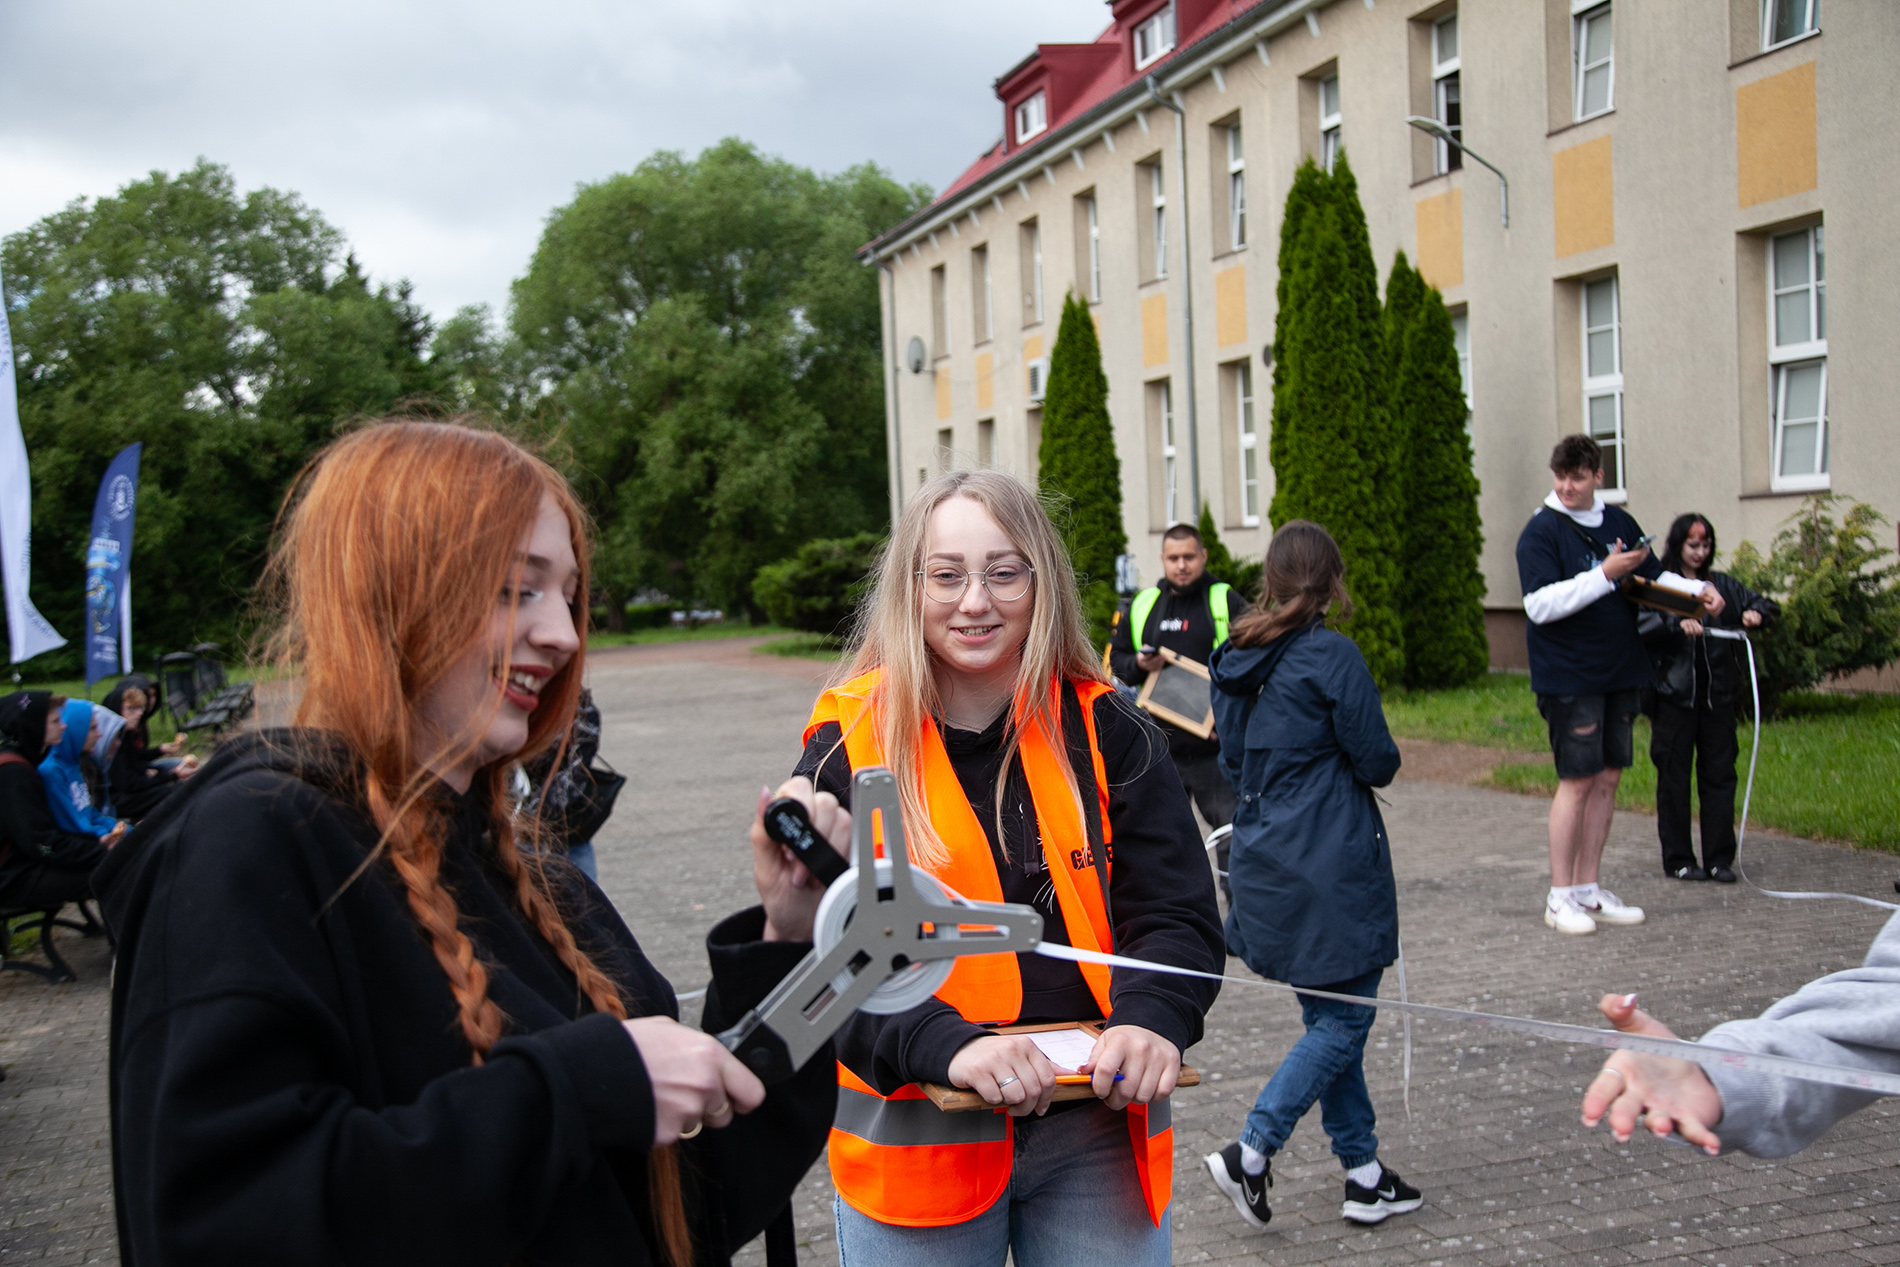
1591 732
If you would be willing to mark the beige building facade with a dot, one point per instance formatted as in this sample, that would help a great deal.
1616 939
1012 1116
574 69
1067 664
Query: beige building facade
1699 263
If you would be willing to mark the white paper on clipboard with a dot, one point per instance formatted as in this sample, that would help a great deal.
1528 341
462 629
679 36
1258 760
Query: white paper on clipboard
1067 1049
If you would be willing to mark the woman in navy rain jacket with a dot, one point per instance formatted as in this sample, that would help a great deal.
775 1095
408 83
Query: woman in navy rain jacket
1304 741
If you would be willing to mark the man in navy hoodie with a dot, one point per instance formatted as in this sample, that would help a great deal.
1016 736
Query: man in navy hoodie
1587 667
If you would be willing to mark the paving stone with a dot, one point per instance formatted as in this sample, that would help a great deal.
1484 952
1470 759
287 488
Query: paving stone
1509 1175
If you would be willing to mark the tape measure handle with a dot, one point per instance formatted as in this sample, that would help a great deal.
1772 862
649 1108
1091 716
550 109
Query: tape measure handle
787 822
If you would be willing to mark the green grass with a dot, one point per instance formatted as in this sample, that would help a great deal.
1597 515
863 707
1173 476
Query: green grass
641 637
805 647
1497 711
1830 764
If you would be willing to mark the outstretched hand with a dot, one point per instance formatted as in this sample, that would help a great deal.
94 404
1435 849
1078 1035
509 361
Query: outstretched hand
1666 1095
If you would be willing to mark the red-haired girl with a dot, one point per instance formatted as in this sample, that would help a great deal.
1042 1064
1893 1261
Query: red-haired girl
354 1020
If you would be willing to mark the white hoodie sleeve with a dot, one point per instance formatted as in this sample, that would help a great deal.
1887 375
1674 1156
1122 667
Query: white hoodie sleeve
1566 598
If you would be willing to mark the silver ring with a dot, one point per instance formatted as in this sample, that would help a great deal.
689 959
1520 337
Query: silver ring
1005 1082
1618 1073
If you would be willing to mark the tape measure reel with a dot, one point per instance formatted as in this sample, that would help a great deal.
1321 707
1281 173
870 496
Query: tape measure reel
901 991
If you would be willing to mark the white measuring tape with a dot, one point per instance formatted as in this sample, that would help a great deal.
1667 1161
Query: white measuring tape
1748 791
1701 1054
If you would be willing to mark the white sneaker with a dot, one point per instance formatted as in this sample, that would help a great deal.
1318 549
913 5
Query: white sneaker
1611 909
1564 915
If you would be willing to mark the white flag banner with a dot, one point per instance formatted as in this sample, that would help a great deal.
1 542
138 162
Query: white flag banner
27 630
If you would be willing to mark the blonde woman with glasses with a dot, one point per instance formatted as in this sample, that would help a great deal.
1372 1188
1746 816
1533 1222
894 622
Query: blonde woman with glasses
1024 778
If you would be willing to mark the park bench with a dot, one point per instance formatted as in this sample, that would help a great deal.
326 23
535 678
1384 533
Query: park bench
197 694
44 921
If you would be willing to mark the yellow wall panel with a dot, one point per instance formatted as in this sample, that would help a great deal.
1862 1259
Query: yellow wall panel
985 389
1441 238
943 392
1154 331
1774 136
1230 306
1583 197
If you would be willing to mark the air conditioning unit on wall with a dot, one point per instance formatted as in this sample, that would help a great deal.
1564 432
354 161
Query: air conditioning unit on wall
1038 377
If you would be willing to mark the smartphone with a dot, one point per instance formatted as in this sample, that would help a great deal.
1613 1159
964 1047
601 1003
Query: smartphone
1641 542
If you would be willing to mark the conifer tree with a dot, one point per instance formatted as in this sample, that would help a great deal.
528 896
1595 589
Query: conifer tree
1077 460
1329 425
1242 574
1331 443
1404 288
1441 588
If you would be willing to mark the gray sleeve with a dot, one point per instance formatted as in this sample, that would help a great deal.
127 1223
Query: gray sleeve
1849 1018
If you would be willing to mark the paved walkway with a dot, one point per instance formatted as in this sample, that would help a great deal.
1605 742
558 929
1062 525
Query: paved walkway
1492 1138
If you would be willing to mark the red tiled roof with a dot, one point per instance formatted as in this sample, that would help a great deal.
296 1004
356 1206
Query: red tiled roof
1077 77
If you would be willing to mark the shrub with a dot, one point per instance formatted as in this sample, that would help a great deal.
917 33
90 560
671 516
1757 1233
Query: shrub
1840 608
818 588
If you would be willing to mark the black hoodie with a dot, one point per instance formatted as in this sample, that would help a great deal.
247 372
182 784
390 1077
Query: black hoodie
31 842
291 1085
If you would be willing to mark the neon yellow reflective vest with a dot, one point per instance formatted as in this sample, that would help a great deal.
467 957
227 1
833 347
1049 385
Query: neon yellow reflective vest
1146 600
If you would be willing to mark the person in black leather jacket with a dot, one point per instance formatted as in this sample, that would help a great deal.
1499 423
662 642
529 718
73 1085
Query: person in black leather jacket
1698 684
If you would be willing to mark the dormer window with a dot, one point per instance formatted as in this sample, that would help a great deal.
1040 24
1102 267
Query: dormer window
1155 36
1032 116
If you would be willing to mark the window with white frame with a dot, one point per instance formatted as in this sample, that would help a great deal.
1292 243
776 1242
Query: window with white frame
1603 378
1461 339
1158 193
1155 36
1784 20
1095 250
1236 190
1166 400
980 284
1446 105
1032 116
1032 271
1249 445
1595 91
1330 135
1797 355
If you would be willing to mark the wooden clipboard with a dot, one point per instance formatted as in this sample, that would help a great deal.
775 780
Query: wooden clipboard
1647 593
1171 689
958 1100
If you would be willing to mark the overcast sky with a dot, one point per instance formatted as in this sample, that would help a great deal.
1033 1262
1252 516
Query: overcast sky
438 136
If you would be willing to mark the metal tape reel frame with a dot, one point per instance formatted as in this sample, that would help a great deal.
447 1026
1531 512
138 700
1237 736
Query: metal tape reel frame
901 991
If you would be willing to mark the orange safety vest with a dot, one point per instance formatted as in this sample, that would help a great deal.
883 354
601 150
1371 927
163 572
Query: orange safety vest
898 1158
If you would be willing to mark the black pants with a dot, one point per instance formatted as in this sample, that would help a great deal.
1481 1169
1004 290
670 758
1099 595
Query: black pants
1705 739
1208 787
48 887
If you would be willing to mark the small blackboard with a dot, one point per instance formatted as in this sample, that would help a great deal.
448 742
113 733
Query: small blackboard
1178 693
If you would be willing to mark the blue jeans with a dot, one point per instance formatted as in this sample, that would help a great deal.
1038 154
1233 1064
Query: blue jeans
1328 1065
582 856
1073 1200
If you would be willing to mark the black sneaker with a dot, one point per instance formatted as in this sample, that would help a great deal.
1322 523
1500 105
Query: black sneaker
1688 873
1375 1205
1721 875
1247 1192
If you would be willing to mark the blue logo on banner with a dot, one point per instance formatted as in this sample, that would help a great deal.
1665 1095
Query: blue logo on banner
108 560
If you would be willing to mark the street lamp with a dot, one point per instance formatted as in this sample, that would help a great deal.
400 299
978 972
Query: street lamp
1432 127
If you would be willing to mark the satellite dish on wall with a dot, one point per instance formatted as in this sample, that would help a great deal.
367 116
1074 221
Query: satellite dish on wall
915 354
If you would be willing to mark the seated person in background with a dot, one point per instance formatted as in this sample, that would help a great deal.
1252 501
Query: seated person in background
1697 685
66 791
41 866
1850 1018
141 774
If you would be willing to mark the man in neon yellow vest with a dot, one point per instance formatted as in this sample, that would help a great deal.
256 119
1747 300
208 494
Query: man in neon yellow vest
1189 614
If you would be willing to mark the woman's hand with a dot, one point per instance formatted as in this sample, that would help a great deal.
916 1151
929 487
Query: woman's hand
1007 1070
1668 1095
1693 628
1713 600
695 1080
1148 1063
791 893
114 836
1751 619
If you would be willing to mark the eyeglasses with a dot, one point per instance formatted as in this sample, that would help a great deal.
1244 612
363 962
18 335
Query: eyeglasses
1005 582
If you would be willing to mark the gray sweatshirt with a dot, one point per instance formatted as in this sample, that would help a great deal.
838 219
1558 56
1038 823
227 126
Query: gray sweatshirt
1848 1018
